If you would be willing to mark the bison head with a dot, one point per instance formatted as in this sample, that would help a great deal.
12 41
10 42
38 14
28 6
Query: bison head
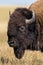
22 31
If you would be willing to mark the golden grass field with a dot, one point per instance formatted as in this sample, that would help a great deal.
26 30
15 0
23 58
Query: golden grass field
7 56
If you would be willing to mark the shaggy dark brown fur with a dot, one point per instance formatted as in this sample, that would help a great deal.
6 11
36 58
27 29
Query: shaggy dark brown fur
21 35
38 8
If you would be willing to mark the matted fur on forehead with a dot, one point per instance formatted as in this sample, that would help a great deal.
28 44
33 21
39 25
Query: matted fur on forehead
16 17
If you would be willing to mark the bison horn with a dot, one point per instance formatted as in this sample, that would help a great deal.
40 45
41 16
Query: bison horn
9 13
32 19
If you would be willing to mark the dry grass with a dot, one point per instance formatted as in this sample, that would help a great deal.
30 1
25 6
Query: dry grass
4 11
7 56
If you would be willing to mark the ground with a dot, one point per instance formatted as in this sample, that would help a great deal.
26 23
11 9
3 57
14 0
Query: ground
7 56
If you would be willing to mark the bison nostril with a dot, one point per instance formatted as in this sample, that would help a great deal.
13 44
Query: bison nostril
11 42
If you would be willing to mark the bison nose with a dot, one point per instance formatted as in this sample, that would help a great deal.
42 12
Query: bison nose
11 43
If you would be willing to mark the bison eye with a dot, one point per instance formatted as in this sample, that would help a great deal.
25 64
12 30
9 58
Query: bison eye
22 28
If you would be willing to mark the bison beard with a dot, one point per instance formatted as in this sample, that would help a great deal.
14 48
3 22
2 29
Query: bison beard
22 32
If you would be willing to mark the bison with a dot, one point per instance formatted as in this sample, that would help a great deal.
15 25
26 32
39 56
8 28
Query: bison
25 31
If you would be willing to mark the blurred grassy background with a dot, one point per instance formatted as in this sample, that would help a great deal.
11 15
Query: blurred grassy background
7 56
